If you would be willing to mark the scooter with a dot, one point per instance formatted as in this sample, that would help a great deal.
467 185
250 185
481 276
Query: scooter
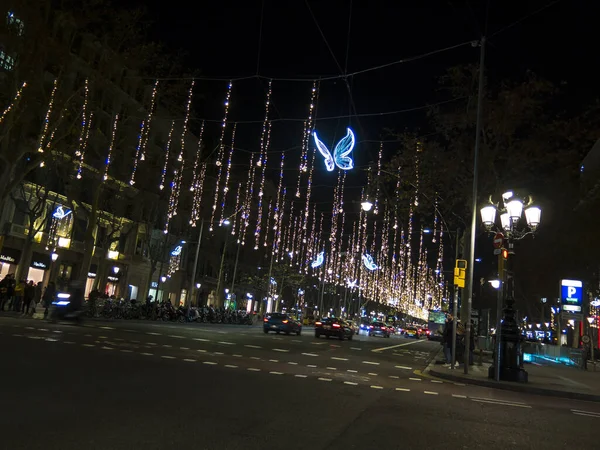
66 307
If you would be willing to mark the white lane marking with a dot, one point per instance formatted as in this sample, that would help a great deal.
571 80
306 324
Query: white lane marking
403 367
394 376
376 387
579 412
318 343
352 371
209 363
201 350
191 360
107 348
403 389
107 328
231 366
151 333
331 368
324 379
459 384
68 342
280 350
255 357
373 374
29 328
218 353
147 354
151 343
459 396
202 340
339 359
184 348
299 375
136 342
292 363
498 400
278 338
129 331
415 379
437 381
88 345
377 350
127 351
351 383
226 343
430 393
237 356
296 340
276 373
252 369
311 365
273 360
167 345
252 346
371 363
334 345
310 354
167 357
176 336
355 348
500 403
89 335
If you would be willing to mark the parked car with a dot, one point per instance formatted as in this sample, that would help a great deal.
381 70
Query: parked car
379 329
332 326
281 323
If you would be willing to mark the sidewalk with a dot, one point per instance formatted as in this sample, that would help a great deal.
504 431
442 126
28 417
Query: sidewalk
549 380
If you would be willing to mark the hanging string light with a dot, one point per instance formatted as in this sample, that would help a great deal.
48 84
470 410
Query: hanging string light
248 199
83 118
84 145
172 208
197 201
167 152
137 153
227 175
279 191
186 120
417 175
195 173
379 156
237 208
111 146
306 134
262 187
220 156
15 101
268 225
45 126
146 133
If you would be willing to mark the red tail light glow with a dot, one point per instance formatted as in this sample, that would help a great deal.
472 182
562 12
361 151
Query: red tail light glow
371 326
265 320
284 321
383 328
336 325
317 323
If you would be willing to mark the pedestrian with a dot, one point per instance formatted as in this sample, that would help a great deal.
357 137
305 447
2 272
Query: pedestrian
4 284
28 294
447 340
37 297
18 296
48 297
472 342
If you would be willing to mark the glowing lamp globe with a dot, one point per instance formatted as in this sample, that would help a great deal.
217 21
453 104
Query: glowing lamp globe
533 215
488 215
366 205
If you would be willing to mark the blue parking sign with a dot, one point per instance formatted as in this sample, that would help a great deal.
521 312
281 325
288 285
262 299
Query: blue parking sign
571 295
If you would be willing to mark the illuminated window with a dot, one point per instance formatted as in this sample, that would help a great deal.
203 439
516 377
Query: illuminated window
7 62
14 22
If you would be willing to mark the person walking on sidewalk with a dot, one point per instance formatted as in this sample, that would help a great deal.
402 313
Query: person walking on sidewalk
48 297
18 297
28 294
4 285
447 340
37 298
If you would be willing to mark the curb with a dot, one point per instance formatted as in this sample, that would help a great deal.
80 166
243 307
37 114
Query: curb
516 387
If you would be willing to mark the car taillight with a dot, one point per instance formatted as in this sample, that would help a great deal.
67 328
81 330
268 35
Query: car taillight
336 325
371 326
284 321
265 320
317 323
383 328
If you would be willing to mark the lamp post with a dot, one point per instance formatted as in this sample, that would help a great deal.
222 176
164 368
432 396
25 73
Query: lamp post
507 359
226 222
195 267
591 321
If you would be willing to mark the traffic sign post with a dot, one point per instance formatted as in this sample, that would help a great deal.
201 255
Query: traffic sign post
498 240
460 273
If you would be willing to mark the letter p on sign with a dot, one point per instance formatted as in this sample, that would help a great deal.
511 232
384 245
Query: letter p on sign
571 291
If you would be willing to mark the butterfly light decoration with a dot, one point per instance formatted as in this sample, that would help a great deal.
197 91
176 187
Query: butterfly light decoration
340 153
368 262
60 213
317 262
351 283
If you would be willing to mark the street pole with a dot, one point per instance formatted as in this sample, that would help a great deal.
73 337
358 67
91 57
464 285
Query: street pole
221 268
471 264
160 269
237 257
269 280
499 301
455 312
193 277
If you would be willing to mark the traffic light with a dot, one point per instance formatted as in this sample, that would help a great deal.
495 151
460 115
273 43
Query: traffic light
504 254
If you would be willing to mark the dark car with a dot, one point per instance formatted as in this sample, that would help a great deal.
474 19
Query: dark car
379 329
281 323
334 327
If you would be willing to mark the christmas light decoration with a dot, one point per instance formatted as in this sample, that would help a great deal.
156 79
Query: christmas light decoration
185 122
137 153
220 156
195 173
111 146
15 101
167 152
84 145
319 261
44 133
59 213
368 262
146 133
197 200
248 199
340 153
86 94
261 188
227 174
241 216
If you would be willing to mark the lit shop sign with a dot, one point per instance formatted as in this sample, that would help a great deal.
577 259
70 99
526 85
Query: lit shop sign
39 265
91 275
571 295
154 284
59 213
8 259
111 278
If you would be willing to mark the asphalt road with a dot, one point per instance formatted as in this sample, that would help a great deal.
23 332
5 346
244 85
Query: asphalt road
130 385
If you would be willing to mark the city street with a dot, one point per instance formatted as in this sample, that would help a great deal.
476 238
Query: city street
130 385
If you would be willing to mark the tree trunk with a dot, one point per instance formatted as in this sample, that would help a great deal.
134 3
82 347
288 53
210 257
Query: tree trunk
24 260
89 241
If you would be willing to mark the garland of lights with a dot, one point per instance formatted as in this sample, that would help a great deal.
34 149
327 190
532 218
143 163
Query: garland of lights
111 146
220 155
227 175
44 133
137 153
15 101
197 185
83 118
248 200
84 147
195 173
163 175
149 121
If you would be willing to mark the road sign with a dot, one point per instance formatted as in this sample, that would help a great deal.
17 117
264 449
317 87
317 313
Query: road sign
585 339
571 295
498 240
460 273
497 251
